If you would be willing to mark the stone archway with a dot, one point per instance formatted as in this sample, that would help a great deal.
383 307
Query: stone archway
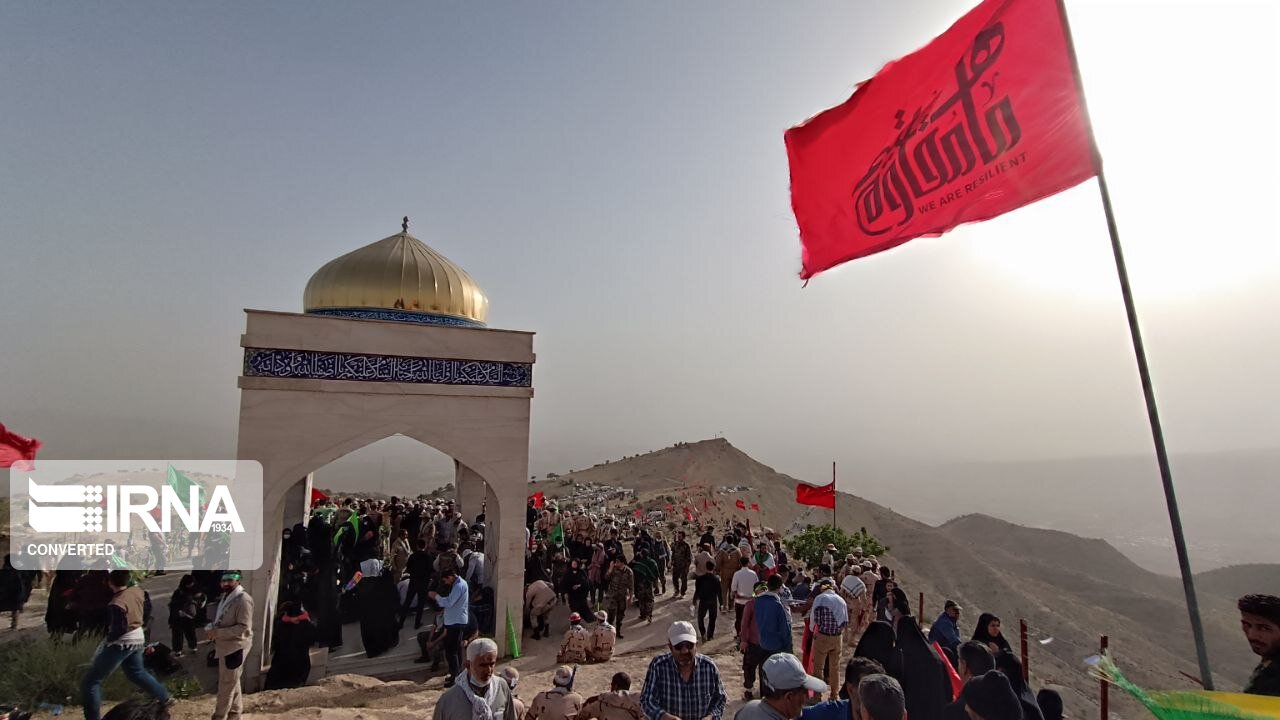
316 388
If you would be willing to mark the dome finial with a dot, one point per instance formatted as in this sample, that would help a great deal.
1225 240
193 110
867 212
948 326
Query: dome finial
404 224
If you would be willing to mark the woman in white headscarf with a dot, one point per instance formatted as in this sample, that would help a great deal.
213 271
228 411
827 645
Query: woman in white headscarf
378 601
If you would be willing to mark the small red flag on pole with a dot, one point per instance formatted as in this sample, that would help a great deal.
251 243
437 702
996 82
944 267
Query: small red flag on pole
984 119
755 507
15 448
740 505
539 499
318 497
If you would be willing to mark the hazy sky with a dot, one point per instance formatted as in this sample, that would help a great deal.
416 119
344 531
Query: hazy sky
613 175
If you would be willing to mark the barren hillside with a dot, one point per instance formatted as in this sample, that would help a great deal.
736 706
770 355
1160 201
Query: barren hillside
1236 580
1069 589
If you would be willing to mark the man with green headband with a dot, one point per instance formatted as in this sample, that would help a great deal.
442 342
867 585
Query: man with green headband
232 635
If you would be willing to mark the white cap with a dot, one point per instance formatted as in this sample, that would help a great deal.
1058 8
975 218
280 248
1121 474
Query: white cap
783 671
682 631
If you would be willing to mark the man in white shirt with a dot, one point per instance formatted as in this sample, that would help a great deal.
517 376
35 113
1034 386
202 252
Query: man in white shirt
474 568
743 589
854 592
829 555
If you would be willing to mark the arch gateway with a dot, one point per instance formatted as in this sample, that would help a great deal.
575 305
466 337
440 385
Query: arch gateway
392 341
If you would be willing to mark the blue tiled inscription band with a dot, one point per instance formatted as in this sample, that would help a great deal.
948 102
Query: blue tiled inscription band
316 365
398 316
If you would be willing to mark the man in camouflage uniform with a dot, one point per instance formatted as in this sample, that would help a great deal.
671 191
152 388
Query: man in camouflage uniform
617 704
646 580
681 556
558 703
619 587
582 524
577 640
602 639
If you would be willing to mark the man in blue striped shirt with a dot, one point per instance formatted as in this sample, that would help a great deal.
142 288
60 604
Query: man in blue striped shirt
683 684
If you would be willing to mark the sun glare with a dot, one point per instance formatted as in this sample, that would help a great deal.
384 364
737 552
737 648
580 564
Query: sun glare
1183 104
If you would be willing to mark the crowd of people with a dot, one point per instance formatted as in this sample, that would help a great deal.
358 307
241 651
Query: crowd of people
861 654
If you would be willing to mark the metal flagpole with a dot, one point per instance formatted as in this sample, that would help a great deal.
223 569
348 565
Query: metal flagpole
1144 373
833 494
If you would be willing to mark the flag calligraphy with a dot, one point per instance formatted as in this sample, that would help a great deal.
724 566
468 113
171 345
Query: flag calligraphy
15 448
984 119
818 496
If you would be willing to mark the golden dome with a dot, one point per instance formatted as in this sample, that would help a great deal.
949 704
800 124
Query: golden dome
397 278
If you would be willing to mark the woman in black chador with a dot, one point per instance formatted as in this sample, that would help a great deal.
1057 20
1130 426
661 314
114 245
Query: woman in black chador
378 605
291 648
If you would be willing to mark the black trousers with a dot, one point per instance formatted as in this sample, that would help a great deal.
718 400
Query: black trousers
415 591
183 629
453 648
752 659
737 616
680 578
707 612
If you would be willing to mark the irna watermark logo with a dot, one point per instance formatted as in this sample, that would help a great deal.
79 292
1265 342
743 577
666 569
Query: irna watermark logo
140 514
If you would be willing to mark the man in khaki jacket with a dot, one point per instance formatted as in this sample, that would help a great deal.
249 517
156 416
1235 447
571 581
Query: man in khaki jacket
617 704
576 643
558 703
603 638
232 635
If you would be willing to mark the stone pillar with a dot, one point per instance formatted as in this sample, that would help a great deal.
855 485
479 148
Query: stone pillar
297 502
263 585
470 491
505 550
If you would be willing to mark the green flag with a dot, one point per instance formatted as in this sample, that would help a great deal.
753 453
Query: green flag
513 638
1185 704
557 535
354 521
120 563
183 484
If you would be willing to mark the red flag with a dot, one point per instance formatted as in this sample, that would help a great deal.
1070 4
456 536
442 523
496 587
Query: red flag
740 505
539 499
669 508
15 448
639 513
318 497
818 496
688 513
984 119
755 506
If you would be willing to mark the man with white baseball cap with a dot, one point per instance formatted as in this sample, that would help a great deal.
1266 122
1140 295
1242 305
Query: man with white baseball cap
785 687
682 684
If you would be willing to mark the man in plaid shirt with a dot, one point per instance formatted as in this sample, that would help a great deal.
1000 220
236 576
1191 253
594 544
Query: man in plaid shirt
827 619
682 684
